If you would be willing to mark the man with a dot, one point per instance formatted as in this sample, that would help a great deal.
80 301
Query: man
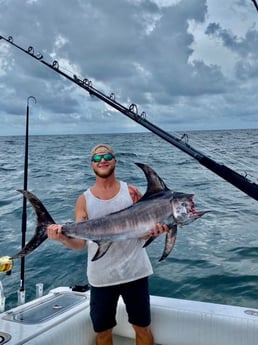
125 267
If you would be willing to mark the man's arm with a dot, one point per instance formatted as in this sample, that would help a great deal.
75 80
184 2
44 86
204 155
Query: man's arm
134 193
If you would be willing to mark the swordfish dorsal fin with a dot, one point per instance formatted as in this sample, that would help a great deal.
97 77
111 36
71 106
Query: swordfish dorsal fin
155 183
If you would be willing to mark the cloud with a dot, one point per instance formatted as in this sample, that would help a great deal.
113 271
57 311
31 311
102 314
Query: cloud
187 64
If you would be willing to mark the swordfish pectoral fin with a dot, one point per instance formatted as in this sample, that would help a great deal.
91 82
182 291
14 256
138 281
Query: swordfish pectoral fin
102 249
43 220
170 241
149 241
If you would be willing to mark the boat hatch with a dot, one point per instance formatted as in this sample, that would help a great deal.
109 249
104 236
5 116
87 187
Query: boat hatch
4 338
46 310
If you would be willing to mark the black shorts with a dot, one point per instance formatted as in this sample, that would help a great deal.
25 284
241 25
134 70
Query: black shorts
103 303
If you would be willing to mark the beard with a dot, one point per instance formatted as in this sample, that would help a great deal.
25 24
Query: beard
104 174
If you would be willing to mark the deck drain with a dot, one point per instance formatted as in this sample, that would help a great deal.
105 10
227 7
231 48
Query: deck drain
57 306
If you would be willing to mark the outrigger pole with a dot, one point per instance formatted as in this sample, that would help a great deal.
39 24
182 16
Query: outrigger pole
229 175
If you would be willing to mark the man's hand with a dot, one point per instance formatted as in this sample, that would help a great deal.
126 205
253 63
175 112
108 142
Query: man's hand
54 232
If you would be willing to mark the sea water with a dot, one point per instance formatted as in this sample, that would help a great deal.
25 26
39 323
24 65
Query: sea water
215 259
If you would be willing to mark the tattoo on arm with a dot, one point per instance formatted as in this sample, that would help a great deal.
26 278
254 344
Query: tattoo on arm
135 193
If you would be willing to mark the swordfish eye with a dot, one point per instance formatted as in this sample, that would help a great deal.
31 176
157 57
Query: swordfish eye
186 205
179 208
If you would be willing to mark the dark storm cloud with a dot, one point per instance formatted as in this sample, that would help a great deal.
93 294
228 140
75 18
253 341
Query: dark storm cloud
140 50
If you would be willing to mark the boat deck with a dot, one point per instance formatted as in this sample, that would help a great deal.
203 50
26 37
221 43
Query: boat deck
118 340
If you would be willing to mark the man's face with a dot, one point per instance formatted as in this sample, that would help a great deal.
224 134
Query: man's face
103 162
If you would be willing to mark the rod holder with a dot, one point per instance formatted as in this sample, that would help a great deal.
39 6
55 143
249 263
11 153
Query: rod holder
39 290
2 298
21 297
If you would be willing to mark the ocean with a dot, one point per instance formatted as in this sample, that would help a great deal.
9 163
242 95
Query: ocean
215 259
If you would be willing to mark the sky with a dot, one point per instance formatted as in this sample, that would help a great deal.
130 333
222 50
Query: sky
188 64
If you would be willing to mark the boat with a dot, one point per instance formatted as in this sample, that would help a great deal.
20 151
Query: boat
61 317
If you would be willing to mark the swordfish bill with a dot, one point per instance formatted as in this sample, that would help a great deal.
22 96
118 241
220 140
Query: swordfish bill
159 204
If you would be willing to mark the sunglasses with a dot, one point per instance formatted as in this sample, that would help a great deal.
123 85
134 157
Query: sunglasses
106 156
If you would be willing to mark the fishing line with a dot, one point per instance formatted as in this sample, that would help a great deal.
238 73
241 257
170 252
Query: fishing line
234 159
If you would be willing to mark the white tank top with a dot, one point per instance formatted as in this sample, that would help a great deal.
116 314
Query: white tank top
125 260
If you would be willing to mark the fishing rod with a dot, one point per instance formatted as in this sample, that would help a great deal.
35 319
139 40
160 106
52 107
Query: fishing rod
255 4
228 174
21 292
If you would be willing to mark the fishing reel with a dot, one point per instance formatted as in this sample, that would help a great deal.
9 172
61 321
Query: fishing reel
6 264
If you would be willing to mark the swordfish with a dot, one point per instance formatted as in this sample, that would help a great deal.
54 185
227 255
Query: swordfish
159 204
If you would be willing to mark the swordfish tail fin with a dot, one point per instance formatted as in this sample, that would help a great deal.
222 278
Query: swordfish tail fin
43 220
40 235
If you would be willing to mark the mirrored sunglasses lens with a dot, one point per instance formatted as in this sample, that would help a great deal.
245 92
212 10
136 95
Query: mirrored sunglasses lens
96 158
108 157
